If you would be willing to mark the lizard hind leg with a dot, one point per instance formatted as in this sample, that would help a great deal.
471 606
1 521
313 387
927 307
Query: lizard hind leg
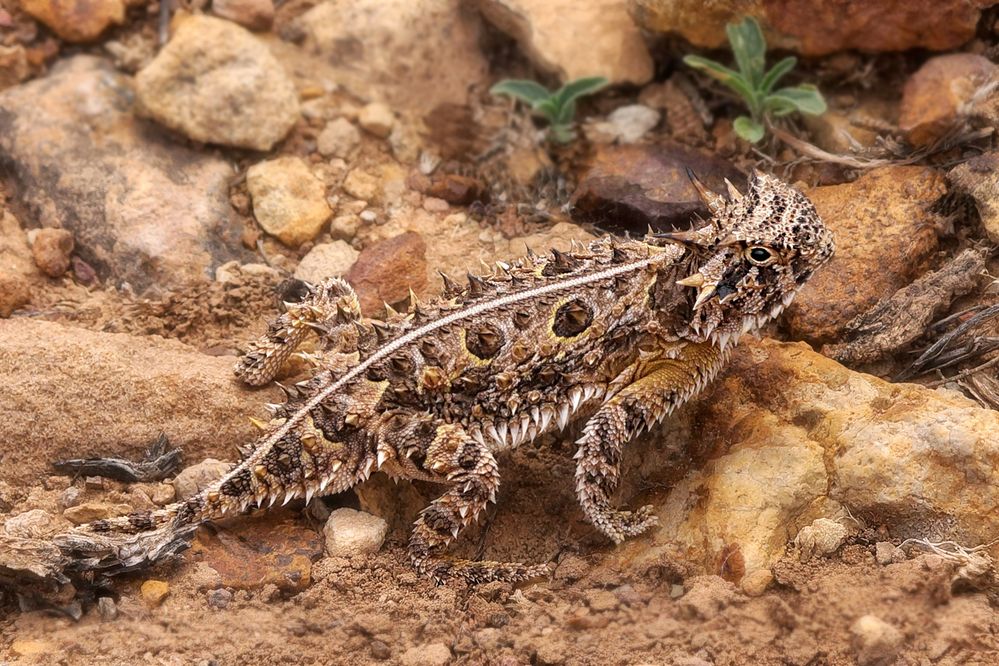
470 470
325 308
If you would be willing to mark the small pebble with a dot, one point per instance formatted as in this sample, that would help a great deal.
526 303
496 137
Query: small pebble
380 650
368 216
338 139
377 119
107 608
52 249
70 497
192 480
349 532
90 511
219 598
876 641
154 592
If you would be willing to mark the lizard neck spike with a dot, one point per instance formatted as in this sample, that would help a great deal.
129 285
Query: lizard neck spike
451 288
715 202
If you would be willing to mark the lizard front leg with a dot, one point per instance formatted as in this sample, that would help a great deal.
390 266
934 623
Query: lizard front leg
325 308
470 469
657 387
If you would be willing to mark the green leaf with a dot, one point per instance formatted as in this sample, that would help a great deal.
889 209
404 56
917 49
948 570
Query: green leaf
748 129
749 48
776 72
560 133
805 98
549 109
729 77
566 114
526 90
573 90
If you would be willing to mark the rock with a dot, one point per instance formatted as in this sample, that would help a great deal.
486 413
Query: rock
288 201
882 219
70 497
937 96
877 641
550 652
786 436
602 600
626 124
154 592
252 14
457 189
215 82
124 392
192 480
813 27
629 188
376 118
886 553
220 598
338 139
361 185
233 271
435 654
349 532
386 271
979 177
51 248
368 39
345 226
756 582
163 494
107 609
141 208
13 65
76 20
14 293
326 260
91 511
252 554
16 257
33 524
25 647
822 537
575 39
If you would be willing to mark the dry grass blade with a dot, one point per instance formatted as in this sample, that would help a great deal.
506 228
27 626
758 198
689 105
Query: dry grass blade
941 354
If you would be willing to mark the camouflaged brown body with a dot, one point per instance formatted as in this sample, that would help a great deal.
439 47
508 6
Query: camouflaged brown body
622 331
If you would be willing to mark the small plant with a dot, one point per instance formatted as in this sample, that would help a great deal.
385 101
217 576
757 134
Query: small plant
558 107
756 85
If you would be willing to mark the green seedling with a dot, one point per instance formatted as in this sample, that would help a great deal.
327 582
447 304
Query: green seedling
558 107
755 85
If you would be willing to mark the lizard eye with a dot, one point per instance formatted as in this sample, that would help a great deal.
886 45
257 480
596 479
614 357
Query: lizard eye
760 256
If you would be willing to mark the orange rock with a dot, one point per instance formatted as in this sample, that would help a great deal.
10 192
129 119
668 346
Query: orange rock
885 236
935 97
51 249
76 20
385 272
154 592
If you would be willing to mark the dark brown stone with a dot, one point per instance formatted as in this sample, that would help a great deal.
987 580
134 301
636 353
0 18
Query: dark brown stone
385 271
629 188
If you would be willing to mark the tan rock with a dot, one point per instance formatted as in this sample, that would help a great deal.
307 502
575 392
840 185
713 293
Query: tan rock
15 252
822 537
14 293
192 480
434 654
13 65
251 14
326 260
386 271
123 392
423 34
154 592
26 647
51 249
791 436
77 20
756 583
575 39
338 139
90 511
939 94
877 641
881 220
215 82
349 532
815 27
362 185
376 118
142 208
979 177
288 201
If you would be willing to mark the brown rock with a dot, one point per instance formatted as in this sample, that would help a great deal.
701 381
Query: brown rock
15 252
14 293
215 82
252 14
271 550
123 391
51 249
154 592
979 177
385 272
376 118
368 39
575 39
13 65
937 96
90 511
192 480
885 235
877 641
76 20
142 208
819 27
456 189
629 188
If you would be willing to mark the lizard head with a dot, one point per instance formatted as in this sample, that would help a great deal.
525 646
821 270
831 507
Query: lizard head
752 257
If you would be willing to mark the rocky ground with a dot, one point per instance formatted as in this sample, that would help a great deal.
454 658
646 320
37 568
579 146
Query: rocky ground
832 499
